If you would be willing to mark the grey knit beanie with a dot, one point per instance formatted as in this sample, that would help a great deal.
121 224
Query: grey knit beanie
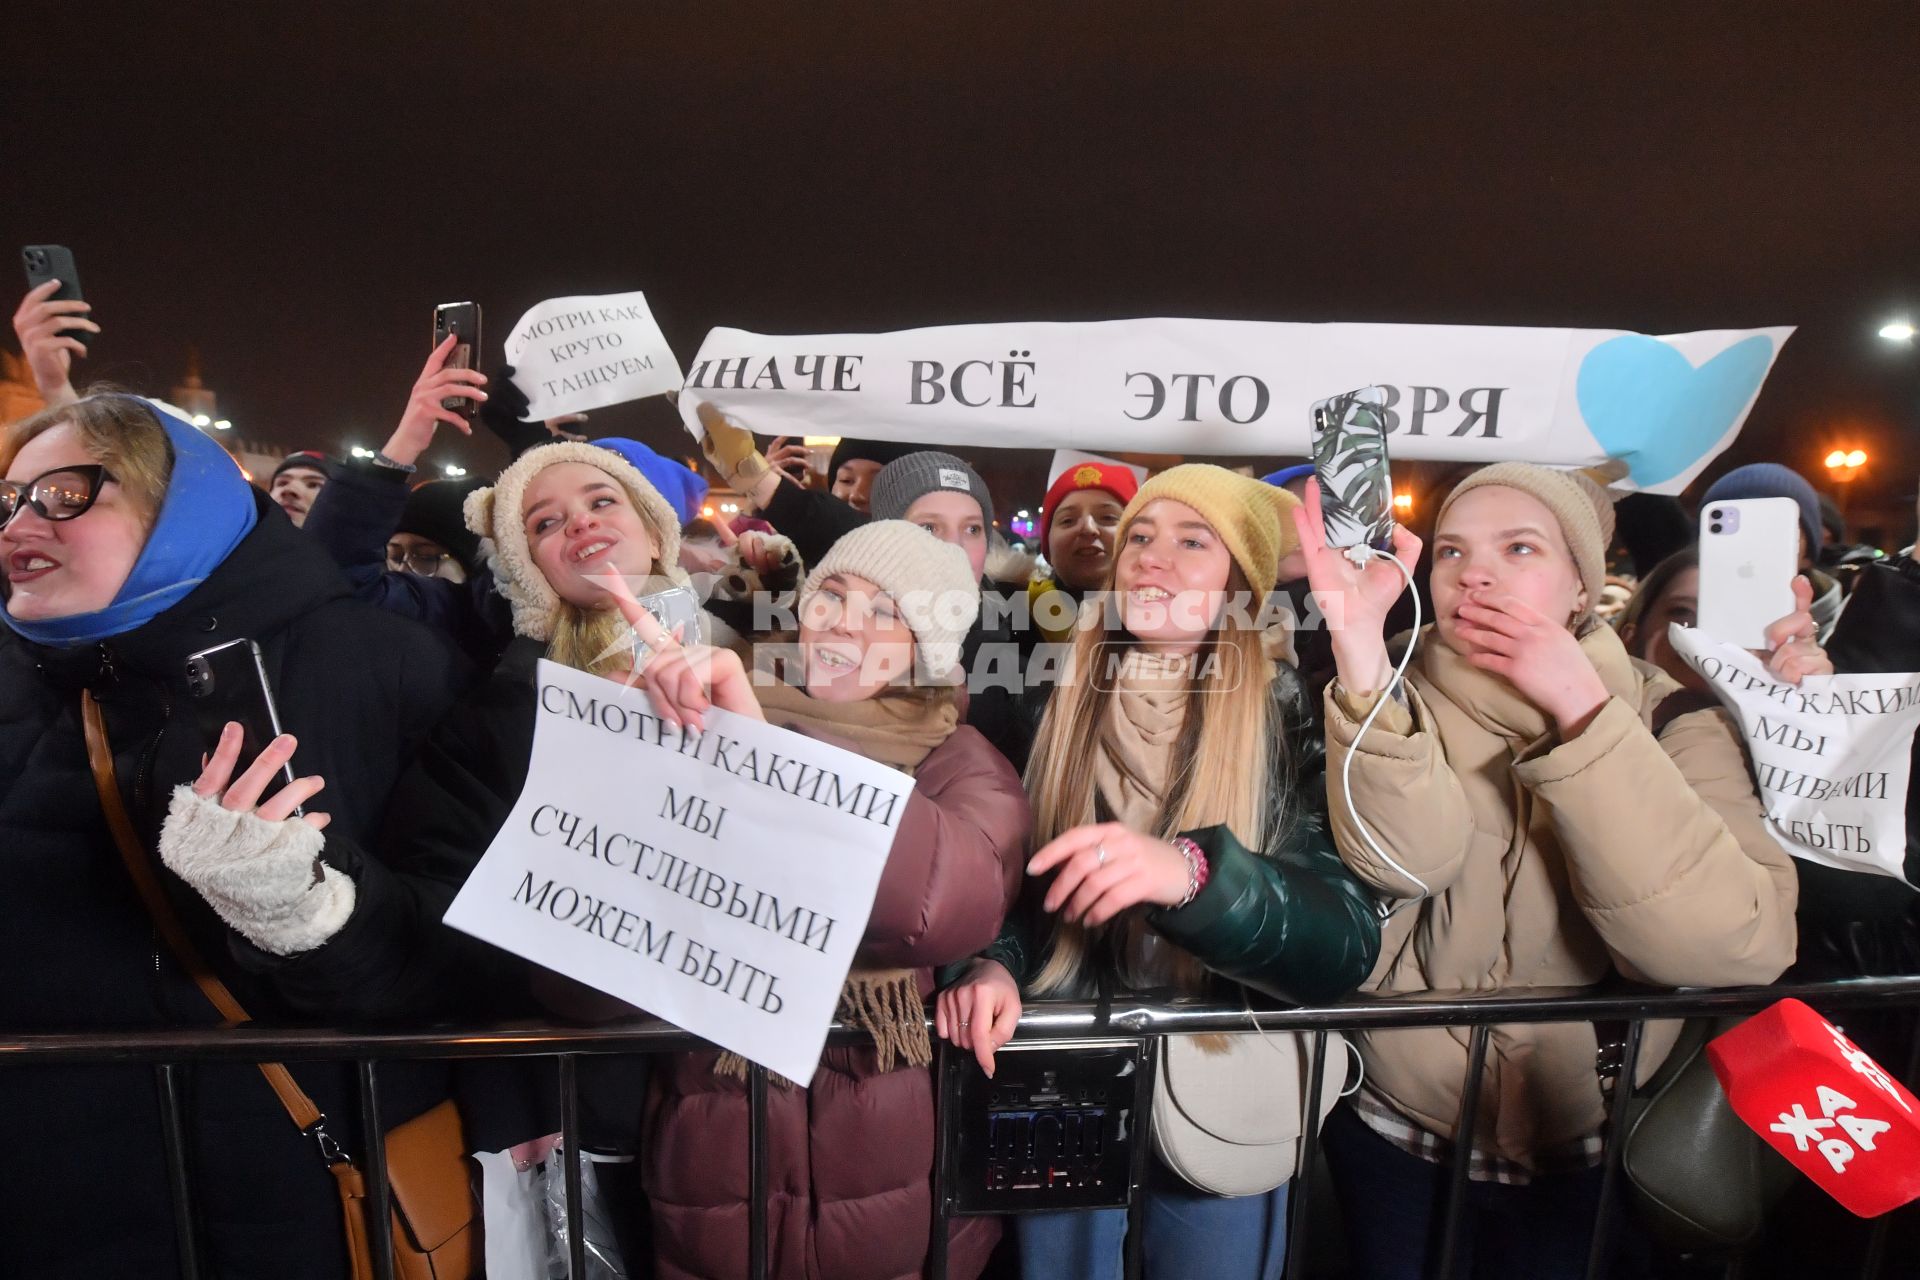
904 481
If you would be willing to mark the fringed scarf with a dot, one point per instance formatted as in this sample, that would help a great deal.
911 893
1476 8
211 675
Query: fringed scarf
895 731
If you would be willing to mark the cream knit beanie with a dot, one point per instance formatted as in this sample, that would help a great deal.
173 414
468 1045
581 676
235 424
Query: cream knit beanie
494 514
931 583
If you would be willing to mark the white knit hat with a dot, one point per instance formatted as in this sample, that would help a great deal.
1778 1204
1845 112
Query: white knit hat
931 582
494 514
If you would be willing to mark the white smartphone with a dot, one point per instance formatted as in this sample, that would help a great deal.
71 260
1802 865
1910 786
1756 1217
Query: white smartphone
1749 554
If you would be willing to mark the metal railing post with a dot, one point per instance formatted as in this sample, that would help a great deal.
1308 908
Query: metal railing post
939 1238
757 1171
1598 1254
1456 1206
1874 1264
378 1206
173 1134
1300 1190
571 1155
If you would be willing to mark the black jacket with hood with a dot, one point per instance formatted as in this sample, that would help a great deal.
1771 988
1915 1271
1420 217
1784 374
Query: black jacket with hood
84 1191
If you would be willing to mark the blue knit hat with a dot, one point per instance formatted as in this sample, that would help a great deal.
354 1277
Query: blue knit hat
684 490
1771 480
1285 475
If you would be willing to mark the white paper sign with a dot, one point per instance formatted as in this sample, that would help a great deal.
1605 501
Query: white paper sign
572 355
720 880
1244 388
1831 754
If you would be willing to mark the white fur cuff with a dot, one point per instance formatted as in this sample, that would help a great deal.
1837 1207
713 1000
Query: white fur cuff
259 876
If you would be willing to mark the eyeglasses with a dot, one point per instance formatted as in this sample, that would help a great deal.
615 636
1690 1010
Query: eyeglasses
64 493
425 564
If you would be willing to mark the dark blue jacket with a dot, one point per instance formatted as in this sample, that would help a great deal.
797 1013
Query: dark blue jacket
352 519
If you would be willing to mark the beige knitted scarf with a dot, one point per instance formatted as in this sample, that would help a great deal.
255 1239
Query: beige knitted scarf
895 731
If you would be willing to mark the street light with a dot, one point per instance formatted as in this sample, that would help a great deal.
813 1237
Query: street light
454 472
1843 465
1898 331
221 424
359 452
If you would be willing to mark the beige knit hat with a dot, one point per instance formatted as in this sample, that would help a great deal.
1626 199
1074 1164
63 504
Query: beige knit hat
1252 517
494 514
931 583
1579 500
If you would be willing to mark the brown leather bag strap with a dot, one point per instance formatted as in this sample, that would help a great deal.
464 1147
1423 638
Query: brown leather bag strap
140 869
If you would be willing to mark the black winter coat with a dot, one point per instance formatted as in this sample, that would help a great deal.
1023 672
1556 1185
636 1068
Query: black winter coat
1852 923
83 1189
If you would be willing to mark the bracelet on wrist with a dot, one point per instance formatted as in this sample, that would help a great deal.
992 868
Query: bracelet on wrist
380 459
1197 869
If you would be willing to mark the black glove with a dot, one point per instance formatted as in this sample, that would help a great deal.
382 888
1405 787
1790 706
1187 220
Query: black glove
502 410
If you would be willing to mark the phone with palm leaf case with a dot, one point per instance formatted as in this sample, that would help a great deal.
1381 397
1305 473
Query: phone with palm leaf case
1350 461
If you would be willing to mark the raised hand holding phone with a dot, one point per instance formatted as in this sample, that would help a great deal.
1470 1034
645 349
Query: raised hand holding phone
52 331
1355 598
426 406
1792 653
791 458
1749 553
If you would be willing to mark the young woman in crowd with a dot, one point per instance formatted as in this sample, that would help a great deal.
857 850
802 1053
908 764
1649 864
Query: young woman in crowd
880 623
1537 829
1079 519
374 504
130 541
1180 816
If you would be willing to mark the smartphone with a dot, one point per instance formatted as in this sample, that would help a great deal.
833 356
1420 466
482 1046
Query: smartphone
1350 461
676 607
1749 554
229 683
46 262
463 319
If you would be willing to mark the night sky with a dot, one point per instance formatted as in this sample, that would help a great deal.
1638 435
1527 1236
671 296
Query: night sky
292 188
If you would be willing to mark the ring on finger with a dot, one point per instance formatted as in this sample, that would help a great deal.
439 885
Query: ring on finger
1100 855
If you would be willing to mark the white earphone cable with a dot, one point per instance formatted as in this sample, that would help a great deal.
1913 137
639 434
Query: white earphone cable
1359 555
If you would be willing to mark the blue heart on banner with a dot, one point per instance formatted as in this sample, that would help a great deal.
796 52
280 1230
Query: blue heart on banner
1646 403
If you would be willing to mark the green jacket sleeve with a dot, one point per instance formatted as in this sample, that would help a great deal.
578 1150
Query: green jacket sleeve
1295 924
1014 948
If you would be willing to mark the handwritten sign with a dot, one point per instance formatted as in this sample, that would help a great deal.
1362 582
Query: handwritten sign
1831 755
720 879
1467 393
571 355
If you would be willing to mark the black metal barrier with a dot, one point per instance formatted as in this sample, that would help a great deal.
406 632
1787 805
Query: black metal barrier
1121 1023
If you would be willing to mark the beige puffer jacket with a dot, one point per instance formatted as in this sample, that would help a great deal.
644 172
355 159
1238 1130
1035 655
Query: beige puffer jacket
1550 864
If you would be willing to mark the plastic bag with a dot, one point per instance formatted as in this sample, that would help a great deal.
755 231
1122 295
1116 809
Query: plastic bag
604 1260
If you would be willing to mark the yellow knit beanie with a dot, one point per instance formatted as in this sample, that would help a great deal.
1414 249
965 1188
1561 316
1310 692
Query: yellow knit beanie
1252 517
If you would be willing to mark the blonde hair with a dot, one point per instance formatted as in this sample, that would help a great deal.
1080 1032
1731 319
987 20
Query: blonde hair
593 640
1220 773
120 433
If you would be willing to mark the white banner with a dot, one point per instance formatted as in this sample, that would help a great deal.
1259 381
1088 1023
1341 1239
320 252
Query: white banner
572 355
1832 754
1243 388
719 879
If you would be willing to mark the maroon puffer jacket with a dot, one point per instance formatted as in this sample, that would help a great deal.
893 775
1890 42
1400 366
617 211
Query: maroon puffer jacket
852 1155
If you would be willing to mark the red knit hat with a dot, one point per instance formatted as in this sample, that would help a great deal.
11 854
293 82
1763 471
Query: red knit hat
1116 479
